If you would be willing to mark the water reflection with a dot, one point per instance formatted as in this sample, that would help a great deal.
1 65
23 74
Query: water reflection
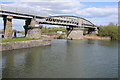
90 41
63 59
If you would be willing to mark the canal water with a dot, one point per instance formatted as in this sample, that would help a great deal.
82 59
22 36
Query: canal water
63 59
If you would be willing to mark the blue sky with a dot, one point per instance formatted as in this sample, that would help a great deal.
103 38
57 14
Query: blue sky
100 13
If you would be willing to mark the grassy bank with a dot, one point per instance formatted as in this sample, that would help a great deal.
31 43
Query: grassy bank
17 39
95 37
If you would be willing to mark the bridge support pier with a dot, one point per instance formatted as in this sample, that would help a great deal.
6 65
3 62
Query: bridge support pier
27 23
34 29
96 30
7 27
75 33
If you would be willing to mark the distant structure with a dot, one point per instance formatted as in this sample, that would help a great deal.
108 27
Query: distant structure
33 24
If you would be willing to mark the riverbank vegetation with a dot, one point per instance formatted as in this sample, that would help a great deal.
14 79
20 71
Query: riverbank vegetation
1 31
17 39
23 32
61 36
110 30
53 30
60 32
85 31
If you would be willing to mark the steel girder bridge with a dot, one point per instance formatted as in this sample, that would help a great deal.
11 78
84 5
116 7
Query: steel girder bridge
72 22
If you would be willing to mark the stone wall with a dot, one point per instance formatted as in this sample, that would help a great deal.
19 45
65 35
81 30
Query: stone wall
76 34
34 29
34 33
24 44
8 27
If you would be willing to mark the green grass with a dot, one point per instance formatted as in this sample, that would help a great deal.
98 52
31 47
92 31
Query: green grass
17 39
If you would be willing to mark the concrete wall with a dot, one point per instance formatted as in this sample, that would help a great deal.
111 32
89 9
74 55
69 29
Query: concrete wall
23 44
76 34
34 29
7 27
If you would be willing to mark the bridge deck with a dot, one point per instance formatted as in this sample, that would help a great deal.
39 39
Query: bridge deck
19 15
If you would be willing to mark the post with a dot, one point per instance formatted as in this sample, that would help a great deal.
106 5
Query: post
7 27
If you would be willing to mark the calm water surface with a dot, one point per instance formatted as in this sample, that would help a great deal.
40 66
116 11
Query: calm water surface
63 59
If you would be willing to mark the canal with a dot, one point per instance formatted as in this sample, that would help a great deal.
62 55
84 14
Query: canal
63 59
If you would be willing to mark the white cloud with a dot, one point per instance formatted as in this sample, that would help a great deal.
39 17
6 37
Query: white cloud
98 12
66 7
59 0
45 8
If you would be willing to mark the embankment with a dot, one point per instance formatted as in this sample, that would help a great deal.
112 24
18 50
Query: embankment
96 37
23 44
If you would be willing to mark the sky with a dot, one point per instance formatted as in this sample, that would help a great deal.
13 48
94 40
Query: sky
100 12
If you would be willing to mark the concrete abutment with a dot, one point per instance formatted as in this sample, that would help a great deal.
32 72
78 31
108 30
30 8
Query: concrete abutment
76 33
7 27
34 29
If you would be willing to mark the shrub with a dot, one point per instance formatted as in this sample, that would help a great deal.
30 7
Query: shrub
110 31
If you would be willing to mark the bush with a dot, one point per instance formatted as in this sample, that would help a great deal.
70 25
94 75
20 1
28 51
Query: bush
85 31
61 36
109 31
53 30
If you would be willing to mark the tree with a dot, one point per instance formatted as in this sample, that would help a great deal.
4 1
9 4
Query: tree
110 30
